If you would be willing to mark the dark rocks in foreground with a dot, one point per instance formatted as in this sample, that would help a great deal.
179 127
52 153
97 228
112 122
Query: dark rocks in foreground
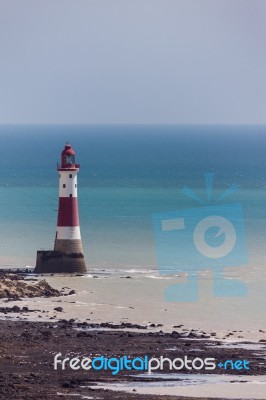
106 325
27 351
59 309
15 309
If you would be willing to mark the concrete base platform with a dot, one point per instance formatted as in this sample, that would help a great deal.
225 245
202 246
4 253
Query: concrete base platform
49 261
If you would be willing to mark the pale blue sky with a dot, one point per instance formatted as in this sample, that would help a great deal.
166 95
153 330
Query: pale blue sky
132 61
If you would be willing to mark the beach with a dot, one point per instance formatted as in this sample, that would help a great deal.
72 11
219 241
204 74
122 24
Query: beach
28 349
137 296
32 334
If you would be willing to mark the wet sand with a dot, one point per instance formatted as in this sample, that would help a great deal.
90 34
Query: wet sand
27 352
33 329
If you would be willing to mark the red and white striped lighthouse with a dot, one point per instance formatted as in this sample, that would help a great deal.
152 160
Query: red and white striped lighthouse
67 255
68 239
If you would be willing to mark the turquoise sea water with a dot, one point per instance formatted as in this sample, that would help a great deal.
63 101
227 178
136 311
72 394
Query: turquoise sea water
127 174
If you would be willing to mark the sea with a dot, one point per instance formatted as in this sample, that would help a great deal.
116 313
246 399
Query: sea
128 175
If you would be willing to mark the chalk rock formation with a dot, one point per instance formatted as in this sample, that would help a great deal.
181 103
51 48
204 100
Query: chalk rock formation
13 287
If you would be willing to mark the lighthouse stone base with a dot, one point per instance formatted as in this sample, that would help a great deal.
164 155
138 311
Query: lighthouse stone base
49 261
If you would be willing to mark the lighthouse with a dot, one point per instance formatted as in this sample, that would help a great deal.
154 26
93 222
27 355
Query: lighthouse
67 256
67 238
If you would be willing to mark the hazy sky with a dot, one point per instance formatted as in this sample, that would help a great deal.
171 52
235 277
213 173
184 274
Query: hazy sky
132 61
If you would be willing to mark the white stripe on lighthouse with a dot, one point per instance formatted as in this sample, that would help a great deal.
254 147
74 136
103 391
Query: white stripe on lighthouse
68 183
68 233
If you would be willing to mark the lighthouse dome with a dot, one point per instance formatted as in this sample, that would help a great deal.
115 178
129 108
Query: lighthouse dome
68 151
68 157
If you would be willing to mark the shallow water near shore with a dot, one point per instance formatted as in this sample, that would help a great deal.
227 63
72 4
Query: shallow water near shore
196 385
136 296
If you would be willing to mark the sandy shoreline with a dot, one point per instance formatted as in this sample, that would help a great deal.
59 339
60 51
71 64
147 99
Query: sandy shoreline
117 296
33 330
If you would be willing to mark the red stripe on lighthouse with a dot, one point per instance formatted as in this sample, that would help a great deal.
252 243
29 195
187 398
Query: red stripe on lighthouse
68 212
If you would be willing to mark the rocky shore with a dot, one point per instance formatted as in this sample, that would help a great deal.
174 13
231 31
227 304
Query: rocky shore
27 351
14 286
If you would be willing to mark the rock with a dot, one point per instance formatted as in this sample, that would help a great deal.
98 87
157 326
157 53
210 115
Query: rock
82 334
13 287
15 309
175 334
59 309
192 335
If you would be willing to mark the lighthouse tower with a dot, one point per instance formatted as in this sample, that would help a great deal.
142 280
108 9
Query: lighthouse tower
67 239
67 255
